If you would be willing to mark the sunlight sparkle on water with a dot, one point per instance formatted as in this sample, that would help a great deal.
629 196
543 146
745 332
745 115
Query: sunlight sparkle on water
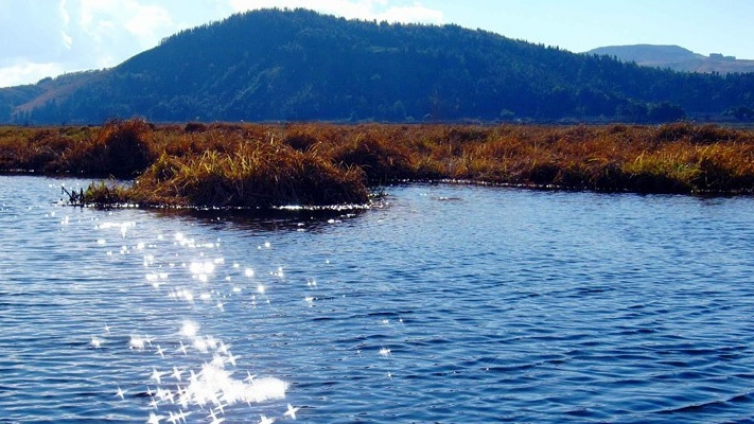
202 268
189 329
154 418
279 273
96 342
182 294
186 373
215 385
291 412
122 226
209 386
156 278
264 420
136 343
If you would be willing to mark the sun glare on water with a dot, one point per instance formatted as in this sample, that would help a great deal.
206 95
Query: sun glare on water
190 376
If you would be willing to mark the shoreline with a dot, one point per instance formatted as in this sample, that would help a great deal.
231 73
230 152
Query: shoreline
267 166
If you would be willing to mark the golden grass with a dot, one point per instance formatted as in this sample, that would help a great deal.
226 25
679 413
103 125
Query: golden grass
262 166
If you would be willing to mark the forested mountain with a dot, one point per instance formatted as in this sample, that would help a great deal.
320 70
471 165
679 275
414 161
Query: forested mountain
676 58
300 65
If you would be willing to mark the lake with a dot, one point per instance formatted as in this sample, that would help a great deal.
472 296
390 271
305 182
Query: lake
447 303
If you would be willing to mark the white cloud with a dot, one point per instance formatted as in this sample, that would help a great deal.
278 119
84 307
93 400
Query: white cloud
23 72
67 39
30 30
66 18
32 41
150 23
126 21
40 38
64 12
380 10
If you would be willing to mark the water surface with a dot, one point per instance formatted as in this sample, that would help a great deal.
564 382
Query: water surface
447 304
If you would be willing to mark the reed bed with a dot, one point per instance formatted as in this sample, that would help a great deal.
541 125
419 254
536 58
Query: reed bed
271 165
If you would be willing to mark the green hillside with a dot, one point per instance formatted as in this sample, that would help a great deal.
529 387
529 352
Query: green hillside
274 65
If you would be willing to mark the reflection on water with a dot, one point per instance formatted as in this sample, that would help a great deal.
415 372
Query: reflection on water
448 304
280 220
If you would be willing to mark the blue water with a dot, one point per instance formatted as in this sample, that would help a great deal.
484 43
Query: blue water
446 304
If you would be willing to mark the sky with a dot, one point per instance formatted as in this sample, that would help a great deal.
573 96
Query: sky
46 38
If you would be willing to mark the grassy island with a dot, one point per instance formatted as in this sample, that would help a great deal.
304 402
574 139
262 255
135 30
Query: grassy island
271 165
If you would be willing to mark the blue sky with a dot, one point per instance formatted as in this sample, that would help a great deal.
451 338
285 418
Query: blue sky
40 38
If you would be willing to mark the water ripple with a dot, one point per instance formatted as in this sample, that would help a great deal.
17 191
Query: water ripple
503 306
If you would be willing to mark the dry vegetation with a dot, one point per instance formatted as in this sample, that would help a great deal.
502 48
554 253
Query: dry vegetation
261 166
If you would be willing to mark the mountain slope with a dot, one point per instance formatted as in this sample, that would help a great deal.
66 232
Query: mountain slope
648 54
675 58
299 65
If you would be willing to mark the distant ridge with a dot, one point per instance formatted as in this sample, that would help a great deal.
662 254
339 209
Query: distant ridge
275 65
676 58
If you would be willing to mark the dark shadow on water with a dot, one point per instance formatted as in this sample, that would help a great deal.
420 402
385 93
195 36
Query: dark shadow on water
266 220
